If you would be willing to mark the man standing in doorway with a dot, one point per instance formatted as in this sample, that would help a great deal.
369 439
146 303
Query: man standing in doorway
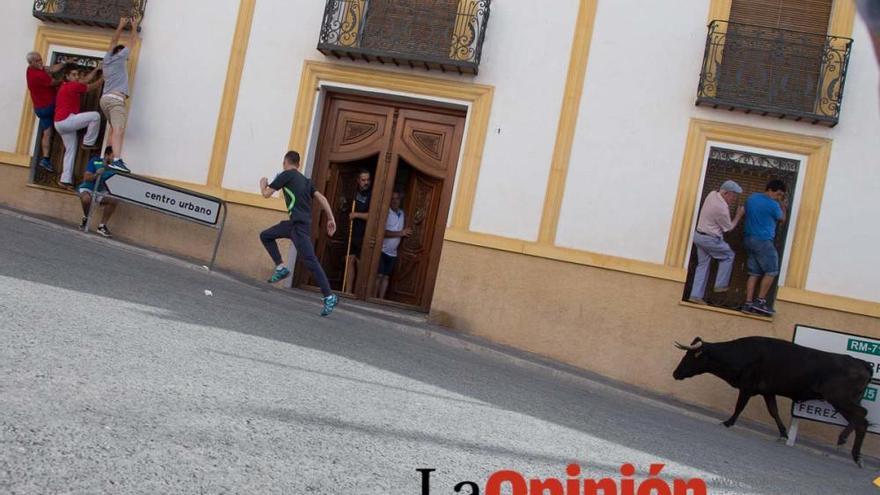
763 212
42 87
116 90
298 192
86 191
69 120
713 222
359 217
395 230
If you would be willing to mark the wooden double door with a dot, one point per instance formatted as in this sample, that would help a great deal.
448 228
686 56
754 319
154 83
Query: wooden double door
407 148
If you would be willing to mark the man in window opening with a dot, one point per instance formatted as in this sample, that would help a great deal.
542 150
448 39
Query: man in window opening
359 216
395 231
116 90
97 165
763 212
69 120
42 88
709 241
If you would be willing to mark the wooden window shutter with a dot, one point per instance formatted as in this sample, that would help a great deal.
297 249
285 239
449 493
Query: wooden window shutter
809 16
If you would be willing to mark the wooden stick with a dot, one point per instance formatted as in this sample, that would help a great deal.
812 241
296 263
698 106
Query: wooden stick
348 249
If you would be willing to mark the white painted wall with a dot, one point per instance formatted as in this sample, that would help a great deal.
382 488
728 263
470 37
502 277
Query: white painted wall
638 99
18 30
528 95
845 254
269 86
525 57
178 87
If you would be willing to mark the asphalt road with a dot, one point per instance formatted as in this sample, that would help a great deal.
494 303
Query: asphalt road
118 374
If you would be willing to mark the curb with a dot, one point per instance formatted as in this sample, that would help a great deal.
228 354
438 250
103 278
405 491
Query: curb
419 326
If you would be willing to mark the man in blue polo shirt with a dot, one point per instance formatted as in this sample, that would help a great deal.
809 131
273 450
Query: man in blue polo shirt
86 188
763 212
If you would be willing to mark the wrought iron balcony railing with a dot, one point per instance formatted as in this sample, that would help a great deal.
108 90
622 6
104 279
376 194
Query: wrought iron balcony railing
786 74
100 13
435 34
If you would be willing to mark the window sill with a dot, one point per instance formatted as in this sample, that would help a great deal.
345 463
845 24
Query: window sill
729 312
52 189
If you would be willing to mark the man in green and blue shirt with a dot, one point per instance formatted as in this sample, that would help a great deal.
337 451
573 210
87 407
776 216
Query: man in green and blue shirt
97 165
298 192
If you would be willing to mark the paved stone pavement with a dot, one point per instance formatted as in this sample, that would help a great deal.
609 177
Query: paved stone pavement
118 374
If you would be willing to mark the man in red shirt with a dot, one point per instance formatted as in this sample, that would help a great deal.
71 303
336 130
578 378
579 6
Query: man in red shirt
42 86
69 120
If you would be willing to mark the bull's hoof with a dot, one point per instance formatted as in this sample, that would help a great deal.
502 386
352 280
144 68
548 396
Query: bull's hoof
727 424
860 463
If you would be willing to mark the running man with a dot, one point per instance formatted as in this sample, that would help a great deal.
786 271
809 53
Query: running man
97 165
298 193
116 90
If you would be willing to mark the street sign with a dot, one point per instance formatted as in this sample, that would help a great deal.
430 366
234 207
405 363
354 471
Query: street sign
193 206
864 348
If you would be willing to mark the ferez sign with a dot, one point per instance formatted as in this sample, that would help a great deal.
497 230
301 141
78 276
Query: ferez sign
864 348
145 192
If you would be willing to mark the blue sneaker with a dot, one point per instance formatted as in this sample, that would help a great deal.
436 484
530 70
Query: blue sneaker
119 166
280 274
330 302
46 165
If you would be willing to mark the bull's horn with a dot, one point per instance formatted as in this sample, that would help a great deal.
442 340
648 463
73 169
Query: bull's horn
689 347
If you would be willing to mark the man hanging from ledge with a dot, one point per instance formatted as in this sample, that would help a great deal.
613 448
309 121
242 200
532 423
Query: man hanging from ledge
42 88
87 187
69 120
116 90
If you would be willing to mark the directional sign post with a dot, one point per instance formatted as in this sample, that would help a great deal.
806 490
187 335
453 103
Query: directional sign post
164 198
857 346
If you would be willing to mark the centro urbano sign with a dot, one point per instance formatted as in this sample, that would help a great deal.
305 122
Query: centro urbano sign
177 202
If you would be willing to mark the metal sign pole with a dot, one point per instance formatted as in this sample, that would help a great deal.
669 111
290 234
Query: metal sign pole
96 198
219 235
792 432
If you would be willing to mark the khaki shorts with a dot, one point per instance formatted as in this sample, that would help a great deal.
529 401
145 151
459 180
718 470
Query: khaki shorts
114 110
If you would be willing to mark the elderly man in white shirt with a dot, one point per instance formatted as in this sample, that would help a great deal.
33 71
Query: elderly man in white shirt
395 231
709 241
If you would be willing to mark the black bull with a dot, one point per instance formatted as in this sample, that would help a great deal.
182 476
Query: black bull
770 367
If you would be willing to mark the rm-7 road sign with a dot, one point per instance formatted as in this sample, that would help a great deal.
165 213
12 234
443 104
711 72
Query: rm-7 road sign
864 348
204 209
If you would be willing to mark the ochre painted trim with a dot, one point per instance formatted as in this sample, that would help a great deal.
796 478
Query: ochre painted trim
729 312
568 117
229 195
229 101
608 262
843 16
74 38
828 301
818 152
719 9
479 97
15 159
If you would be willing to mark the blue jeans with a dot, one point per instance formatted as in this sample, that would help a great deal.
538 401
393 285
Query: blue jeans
763 258
709 247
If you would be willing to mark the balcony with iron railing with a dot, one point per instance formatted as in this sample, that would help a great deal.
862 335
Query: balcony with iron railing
776 72
99 13
444 35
